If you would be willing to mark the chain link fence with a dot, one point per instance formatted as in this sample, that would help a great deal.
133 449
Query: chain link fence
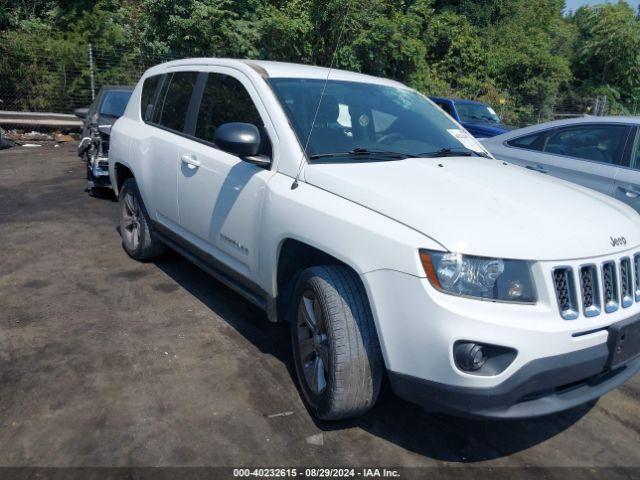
34 79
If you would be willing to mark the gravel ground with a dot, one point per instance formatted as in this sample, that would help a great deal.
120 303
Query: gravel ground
108 362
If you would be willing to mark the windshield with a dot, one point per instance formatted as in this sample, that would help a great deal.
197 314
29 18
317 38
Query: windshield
476 112
363 117
114 103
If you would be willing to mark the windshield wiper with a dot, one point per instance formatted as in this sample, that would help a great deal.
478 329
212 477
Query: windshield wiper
453 152
363 152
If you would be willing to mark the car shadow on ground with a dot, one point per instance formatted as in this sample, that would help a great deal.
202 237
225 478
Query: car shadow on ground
436 436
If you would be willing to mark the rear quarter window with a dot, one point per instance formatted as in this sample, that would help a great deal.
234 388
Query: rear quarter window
149 88
534 141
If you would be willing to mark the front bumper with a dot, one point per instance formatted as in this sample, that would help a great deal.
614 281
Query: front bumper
559 363
98 173
541 387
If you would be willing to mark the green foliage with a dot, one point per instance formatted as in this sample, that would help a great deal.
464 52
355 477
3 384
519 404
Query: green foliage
285 31
458 56
524 56
607 61
198 27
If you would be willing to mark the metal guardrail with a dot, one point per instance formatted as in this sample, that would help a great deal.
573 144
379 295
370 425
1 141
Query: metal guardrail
33 119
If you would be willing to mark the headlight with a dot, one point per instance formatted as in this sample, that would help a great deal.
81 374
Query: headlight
480 277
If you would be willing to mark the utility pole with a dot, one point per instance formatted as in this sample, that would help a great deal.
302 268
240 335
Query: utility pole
93 86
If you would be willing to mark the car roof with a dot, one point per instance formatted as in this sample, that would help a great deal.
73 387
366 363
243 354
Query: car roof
458 100
565 122
270 69
592 118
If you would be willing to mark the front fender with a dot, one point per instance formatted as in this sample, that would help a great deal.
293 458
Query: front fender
359 237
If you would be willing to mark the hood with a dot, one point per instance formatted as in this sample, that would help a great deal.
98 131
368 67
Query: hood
486 129
485 207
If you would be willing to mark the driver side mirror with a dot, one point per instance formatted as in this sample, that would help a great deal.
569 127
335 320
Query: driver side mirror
81 112
243 140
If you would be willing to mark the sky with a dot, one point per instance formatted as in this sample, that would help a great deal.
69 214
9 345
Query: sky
573 4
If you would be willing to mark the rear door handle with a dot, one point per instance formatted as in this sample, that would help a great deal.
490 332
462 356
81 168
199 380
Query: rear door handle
190 159
629 191
537 168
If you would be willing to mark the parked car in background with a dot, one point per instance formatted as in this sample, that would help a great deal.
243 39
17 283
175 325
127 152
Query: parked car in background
602 153
98 118
386 235
478 118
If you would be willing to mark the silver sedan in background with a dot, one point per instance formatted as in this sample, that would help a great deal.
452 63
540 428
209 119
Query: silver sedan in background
602 153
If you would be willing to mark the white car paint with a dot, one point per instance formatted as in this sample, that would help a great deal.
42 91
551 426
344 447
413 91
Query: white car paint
375 217
453 196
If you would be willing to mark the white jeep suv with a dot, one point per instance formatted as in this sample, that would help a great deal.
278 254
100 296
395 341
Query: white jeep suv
355 209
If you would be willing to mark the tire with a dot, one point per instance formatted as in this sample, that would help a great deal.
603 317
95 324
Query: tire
341 350
137 238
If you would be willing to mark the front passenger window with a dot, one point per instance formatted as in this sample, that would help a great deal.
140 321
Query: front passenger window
225 100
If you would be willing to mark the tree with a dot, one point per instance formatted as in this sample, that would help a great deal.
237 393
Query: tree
524 54
608 58
198 28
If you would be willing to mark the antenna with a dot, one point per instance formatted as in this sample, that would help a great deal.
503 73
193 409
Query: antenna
294 185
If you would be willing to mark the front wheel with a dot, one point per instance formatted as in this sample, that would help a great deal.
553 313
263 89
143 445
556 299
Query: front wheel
335 346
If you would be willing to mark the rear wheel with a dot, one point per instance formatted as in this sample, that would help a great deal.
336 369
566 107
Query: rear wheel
335 346
137 238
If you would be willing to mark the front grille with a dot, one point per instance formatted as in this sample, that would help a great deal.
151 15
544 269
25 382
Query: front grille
636 276
609 287
590 290
565 292
626 283
597 288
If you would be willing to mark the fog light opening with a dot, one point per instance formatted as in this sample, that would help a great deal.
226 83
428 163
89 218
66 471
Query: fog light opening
482 359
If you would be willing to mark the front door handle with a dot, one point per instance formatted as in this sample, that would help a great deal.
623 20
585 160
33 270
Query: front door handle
537 168
190 159
629 191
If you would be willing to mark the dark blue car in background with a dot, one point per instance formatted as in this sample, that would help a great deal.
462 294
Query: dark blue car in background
478 118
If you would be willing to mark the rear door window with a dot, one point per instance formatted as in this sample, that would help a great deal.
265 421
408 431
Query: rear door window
176 100
598 142
632 159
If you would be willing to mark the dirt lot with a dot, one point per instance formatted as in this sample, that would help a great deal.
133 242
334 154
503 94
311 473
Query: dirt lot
105 361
